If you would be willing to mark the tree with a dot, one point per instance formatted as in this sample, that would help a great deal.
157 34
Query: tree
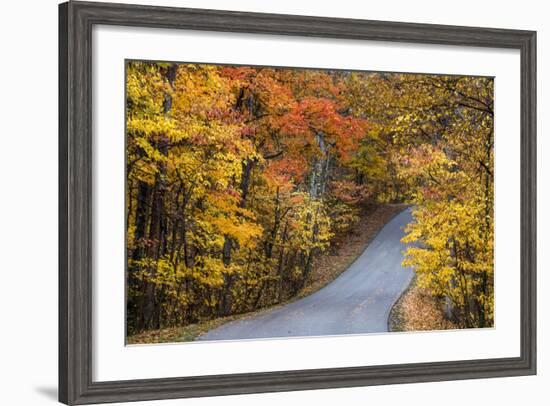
238 178
444 129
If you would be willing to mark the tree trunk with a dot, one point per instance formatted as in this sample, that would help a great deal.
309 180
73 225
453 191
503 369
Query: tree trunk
142 213
320 168
151 310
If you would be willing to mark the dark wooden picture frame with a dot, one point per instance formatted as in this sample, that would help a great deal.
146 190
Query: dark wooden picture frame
76 20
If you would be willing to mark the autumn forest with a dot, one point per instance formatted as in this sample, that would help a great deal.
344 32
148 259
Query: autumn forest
241 181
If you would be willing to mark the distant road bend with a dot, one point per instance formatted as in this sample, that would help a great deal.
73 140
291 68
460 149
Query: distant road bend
358 301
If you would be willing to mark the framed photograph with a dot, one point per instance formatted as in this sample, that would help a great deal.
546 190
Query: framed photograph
258 202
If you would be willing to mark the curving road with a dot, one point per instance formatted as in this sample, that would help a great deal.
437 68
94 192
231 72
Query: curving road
358 301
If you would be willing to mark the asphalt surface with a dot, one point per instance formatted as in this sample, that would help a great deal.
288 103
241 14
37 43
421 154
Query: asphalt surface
359 301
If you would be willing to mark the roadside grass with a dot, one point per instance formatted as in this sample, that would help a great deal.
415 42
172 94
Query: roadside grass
342 253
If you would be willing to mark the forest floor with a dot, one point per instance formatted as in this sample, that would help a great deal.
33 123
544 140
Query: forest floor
342 253
417 310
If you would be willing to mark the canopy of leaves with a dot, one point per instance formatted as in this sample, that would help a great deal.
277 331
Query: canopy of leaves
238 177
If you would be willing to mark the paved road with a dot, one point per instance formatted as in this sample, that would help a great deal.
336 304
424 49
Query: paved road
358 301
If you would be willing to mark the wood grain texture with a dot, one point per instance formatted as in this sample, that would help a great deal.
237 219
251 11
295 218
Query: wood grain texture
75 202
